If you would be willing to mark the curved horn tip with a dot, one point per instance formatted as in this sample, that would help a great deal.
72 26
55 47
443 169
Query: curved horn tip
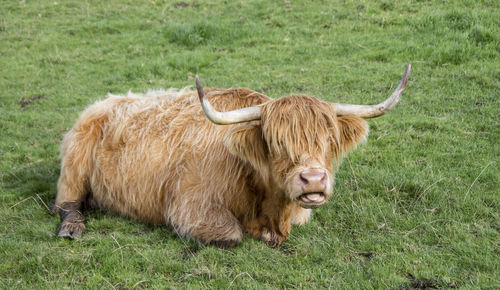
404 79
199 88
373 111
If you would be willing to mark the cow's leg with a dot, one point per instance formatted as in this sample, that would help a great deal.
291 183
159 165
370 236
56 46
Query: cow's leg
71 193
212 225
218 227
272 232
273 225
70 196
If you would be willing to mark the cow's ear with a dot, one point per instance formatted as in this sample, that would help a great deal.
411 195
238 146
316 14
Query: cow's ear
247 142
352 131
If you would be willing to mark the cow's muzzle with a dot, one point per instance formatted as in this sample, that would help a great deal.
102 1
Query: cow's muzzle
314 184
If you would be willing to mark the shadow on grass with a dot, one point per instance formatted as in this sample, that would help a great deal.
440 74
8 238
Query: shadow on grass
424 283
33 181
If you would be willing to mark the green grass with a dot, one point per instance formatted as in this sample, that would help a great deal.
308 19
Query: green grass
416 206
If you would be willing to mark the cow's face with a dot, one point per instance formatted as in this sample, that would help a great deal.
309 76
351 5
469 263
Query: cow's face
297 138
296 146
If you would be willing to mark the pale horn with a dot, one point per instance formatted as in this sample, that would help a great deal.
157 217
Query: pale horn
226 118
372 111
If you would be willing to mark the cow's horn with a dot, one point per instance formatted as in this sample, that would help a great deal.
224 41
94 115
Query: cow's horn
372 111
226 118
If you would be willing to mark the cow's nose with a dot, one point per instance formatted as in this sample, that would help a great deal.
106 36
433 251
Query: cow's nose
313 181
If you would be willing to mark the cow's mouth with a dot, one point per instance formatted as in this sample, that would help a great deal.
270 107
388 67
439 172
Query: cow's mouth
312 199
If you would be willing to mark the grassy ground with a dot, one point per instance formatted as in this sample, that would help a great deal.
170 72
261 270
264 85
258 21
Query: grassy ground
417 206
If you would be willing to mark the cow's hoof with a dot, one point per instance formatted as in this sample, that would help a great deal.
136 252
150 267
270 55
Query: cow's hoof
224 244
272 238
71 230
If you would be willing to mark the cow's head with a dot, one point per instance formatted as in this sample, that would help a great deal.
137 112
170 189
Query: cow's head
292 141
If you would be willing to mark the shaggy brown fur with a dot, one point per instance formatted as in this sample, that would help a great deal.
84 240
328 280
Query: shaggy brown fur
157 158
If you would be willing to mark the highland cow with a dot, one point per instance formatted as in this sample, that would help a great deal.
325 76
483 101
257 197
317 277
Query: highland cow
239 163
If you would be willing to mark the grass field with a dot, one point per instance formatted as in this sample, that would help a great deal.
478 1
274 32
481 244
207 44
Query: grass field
417 206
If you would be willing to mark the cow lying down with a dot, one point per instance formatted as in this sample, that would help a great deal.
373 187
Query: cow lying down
238 163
